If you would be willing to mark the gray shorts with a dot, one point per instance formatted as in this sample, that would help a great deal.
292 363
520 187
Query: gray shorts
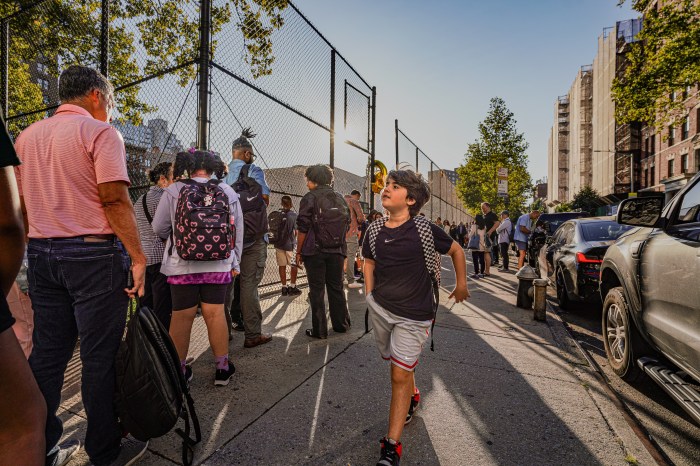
522 245
398 339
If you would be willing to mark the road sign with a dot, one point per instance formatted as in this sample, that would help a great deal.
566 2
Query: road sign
502 174
502 188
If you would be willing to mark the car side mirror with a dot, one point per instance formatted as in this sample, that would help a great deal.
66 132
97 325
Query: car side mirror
641 211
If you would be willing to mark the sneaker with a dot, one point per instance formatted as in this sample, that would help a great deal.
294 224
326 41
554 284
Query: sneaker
360 280
504 270
481 275
131 451
355 285
294 291
223 376
415 400
238 327
391 453
285 291
64 454
475 276
188 374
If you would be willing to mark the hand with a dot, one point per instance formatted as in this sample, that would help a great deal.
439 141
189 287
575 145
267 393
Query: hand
235 273
138 272
460 293
299 260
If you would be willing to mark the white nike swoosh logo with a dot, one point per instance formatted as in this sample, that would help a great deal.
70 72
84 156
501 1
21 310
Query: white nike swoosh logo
251 198
389 240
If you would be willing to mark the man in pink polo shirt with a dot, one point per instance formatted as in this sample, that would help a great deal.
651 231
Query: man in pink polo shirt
83 240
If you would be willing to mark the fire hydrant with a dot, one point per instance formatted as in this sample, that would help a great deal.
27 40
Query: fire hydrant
526 292
540 299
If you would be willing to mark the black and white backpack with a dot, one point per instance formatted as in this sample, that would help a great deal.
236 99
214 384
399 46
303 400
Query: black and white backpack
432 260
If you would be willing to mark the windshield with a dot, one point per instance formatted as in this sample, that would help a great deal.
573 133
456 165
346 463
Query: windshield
603 231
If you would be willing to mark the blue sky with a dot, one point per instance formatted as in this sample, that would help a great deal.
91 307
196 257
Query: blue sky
437 63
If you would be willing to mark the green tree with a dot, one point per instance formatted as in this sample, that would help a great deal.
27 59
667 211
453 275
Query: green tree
499 146
68 32
563 207
661 64
587 199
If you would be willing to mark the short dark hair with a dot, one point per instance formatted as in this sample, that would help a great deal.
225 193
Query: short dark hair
418 189
187 163
355 192
319 174
162 169
286 200
77 81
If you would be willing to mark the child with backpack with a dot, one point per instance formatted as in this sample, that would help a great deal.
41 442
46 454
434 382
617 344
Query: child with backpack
323 223
283 235
201 220
402 287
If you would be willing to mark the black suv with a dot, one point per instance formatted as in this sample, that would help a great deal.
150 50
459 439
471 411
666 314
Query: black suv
649 285
545 227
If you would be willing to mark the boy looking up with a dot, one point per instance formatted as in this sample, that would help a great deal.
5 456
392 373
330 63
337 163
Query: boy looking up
400 285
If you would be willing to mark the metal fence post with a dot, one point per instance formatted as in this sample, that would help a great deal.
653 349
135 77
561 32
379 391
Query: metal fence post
5 64
396 141
104 39
430 182
204 75
331 160
373 146
417 150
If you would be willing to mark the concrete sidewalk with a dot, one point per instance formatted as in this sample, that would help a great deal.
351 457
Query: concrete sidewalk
500 388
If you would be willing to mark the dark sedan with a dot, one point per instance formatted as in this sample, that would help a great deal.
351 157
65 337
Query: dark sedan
574 255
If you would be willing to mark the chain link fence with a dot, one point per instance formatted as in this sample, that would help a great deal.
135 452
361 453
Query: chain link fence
444 201
270 70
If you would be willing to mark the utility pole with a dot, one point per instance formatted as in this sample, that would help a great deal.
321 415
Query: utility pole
204 75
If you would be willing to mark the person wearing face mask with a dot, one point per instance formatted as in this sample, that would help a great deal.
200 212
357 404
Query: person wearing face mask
248 180
157 291
73 186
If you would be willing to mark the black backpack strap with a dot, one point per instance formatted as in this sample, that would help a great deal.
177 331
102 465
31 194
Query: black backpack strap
149 217
187 442
245 169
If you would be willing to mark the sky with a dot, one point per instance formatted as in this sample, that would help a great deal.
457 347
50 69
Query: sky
436 64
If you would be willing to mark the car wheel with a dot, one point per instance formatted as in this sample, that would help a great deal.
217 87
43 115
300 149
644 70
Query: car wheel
623 343
562 294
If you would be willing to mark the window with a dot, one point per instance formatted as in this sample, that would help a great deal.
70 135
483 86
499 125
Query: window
43 83
684 163
646 177
690 206
602 231
697 160
671 135
653 144
686 92
652 174
697 122
685 129
41 68
672 96
670 168
646 147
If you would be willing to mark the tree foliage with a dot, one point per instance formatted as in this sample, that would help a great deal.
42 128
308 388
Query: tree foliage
67 32
665 60
587 199
499 145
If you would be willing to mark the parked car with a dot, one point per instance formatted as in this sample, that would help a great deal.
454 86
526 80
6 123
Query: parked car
545 227
574 254
649 283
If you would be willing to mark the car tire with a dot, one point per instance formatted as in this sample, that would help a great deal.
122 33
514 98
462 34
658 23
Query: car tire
562 294
622 341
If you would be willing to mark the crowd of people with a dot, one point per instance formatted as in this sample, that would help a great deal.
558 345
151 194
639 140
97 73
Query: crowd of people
195 242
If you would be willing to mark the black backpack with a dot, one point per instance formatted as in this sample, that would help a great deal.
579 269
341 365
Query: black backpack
276 223
331 218
252 204
151 392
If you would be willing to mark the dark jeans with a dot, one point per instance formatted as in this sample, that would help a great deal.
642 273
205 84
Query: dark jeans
504 255
478 259
324 271
156 295
494 251
77 290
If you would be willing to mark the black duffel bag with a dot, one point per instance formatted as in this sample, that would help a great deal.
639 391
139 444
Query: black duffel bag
151 393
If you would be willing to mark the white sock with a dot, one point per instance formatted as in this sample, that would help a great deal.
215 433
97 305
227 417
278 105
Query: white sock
292 285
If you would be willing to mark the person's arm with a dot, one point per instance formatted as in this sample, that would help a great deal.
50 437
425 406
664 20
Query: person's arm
360 215
12 230
239 226
524 229
303 224
461 292
259 176
119 211
162 223
300 245
368 272
495 225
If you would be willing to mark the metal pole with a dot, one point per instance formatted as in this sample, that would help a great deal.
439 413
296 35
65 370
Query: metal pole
5 64
104 39
396 141
631 172
204 75
417 150
345 106
332 148
430 183
374 146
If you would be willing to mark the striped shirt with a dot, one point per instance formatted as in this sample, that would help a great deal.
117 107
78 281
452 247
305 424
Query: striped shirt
64 158
153 246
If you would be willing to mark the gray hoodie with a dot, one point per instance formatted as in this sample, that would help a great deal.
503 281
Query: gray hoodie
163 222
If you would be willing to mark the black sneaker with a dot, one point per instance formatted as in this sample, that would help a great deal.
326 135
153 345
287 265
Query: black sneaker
415 400
64 454
285 291
238 327
294 291
391 453
223 376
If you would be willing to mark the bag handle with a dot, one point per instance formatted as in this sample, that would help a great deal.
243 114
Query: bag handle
149 217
